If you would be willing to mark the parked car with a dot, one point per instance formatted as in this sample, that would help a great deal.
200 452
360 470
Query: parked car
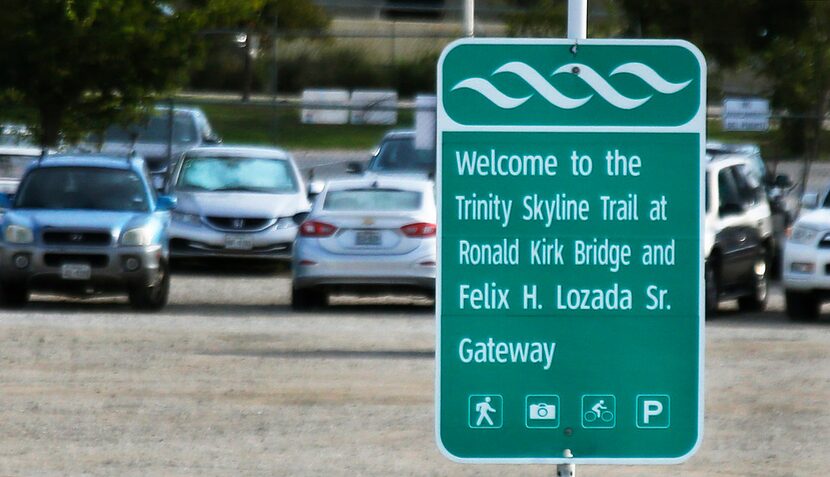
236 202
778 188
397 154
14 160
190 129
738 236
84 225
366 236
806 272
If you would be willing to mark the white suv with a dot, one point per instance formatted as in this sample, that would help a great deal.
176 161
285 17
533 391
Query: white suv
738 239
807 260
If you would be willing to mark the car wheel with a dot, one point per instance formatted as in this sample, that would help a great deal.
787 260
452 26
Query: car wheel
712 295
308 298
802 306
13 296
152 298
757 299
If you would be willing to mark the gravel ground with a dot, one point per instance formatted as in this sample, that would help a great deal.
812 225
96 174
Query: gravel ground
227 380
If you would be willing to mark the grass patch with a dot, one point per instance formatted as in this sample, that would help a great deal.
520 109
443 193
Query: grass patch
264 124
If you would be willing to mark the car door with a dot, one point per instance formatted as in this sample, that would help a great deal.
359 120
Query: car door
738 239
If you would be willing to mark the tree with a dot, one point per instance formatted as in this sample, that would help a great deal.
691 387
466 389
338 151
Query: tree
258 19
798 67
83 64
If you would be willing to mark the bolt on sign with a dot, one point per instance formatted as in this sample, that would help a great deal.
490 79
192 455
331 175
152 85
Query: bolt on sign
570 310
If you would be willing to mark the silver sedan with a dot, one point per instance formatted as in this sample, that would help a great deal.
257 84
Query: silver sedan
236 202
369 236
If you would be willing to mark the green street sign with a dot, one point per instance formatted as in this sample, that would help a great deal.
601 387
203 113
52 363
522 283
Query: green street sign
570 298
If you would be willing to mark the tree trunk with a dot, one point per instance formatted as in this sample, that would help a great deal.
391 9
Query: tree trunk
50 125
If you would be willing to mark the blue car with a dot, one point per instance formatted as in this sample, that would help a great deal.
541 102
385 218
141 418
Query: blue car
84 225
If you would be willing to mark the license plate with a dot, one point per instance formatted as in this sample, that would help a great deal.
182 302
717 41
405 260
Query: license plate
367 237
76 271
235 242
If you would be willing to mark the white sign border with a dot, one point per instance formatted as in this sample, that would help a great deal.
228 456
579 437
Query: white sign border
696 125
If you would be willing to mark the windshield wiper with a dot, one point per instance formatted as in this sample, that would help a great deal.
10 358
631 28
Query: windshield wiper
242 189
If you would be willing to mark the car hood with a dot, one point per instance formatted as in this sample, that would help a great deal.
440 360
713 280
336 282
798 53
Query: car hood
818 219
241 204
77 219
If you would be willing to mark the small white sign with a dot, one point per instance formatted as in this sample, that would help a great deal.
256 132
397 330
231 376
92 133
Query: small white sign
746 114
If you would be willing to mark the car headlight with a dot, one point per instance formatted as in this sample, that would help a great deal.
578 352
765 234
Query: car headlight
802 234
185 218
138 237
285 223
19 234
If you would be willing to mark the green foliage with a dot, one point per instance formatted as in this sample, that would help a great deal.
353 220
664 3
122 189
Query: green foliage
798 67
82 64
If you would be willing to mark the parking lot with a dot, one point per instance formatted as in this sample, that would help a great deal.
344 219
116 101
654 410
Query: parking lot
228 380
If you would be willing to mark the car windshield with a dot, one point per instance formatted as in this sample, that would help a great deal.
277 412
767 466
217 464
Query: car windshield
83 188
249 174
372 200
400 155
155 130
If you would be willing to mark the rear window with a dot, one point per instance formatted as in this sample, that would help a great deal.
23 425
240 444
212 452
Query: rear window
372 199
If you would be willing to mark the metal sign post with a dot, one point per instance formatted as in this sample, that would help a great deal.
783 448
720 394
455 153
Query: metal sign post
569 294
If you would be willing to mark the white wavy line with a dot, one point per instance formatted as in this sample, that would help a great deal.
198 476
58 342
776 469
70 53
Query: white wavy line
602 87
651 77
486 89
542 86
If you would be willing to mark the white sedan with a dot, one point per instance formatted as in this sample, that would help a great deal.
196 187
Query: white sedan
370 236
806 270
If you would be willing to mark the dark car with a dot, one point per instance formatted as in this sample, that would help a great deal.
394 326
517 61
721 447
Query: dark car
397 154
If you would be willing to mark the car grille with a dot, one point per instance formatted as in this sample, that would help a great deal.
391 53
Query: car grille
65 237
239 224
58 259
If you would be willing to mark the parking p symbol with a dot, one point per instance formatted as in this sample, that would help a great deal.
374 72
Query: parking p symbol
651 408
653 411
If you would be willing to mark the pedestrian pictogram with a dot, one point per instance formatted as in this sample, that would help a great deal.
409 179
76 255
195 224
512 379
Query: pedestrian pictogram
485 411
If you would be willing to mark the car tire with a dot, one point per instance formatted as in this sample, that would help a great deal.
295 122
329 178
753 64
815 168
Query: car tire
802 306
757 299
152 298
13 296
308 298
712 293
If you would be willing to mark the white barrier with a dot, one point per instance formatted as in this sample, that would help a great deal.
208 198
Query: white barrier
315 102
374 107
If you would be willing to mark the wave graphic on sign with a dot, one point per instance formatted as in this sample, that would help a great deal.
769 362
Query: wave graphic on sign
555 97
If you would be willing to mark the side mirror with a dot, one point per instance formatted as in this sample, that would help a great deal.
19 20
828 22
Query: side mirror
5 201
810 200
166 202
212 140
354 167
730 208
315 188
783 181
300 217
